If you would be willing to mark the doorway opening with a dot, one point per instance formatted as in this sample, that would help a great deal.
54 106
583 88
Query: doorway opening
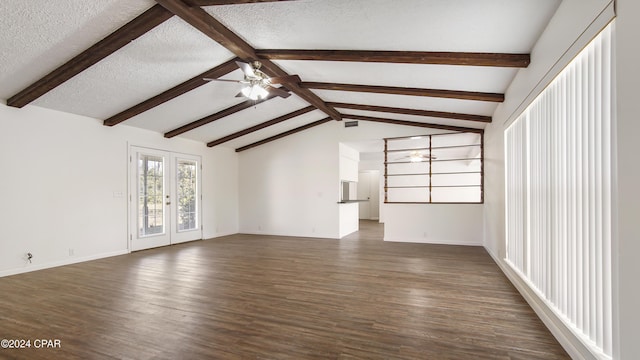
369 189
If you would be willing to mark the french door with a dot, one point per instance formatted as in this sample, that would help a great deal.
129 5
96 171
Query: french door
164 198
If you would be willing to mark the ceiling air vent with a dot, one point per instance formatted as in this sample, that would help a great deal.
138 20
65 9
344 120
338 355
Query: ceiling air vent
350 123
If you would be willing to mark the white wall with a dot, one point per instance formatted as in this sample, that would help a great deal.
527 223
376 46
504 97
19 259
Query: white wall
628 209
291 186
221 209
575 23
348 169
59 175
453 224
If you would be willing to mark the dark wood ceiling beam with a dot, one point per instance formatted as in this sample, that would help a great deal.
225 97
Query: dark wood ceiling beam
261 126
217 116
429 113
412 123
402 57
307 95
209 26
226 2
206 24
174 92
281 135
151 18
449 94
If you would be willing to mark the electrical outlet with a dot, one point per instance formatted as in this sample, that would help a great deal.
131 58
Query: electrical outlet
71 252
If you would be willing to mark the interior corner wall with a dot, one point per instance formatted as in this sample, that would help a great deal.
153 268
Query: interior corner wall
424 223
348 169
291 187
574 24
64 185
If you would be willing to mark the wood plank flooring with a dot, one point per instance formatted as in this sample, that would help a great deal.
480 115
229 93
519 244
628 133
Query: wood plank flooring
268 297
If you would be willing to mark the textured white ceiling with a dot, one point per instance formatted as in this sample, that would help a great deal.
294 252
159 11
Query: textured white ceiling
419 25
446 77
254 115
160 59
37 36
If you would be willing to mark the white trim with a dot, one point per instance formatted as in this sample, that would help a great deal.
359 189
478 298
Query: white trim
222 234
435 241
571 344
74 260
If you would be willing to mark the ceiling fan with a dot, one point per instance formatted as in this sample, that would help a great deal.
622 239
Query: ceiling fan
257 83
417 156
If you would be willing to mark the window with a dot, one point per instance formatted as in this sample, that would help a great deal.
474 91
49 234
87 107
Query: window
558 171
436 168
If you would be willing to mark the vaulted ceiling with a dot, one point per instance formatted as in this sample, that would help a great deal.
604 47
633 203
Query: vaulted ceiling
433 63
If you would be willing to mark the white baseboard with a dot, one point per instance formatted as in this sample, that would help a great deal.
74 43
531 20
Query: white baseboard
69 261
220 234
306 235
569 341
434 241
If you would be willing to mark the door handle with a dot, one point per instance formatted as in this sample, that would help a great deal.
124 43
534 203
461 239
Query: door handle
168 202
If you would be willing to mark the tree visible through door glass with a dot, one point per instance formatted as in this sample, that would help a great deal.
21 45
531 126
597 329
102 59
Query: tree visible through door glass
187 199
151 191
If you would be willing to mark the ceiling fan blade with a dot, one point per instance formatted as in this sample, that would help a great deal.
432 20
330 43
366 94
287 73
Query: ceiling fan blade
247 69
278 91
210 79
285 79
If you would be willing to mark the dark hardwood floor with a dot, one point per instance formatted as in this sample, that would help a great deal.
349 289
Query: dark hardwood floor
269 297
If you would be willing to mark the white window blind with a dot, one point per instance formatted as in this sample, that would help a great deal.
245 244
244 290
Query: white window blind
558 194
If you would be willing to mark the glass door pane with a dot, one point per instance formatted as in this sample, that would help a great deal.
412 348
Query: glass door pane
185 219
150 195
187 191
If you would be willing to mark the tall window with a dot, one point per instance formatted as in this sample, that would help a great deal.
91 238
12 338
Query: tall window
558 195
436 168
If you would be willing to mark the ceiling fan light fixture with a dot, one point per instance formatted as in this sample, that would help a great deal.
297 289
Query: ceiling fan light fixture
416 156
246 91
261 91
254 92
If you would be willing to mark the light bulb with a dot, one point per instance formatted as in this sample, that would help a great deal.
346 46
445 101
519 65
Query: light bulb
246 91
262 92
